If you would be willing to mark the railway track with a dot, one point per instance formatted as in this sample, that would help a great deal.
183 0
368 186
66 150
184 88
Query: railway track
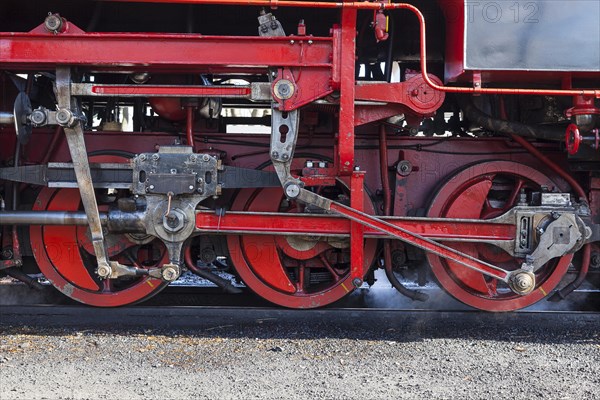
207 318
380 297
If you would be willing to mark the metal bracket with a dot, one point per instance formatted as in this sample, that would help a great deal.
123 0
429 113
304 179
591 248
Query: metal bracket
67 117
284 135
560 237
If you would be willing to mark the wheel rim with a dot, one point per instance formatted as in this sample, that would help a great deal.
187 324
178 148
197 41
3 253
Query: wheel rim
65 255
290 271
485 191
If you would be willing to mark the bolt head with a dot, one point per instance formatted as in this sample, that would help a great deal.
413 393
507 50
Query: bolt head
522 282
7 254
284 89
38 117
292 190
170 274
191 187
64 117
103 271
53 22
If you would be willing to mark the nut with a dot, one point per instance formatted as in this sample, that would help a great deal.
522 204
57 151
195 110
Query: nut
53 23
38 117
522 282
65 117
404 168
284 89
170 272
104 271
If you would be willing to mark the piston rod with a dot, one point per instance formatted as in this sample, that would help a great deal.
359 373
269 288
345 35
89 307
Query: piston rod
47 218
114 220
6 118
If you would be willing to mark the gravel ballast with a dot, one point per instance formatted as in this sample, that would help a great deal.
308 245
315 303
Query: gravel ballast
189 353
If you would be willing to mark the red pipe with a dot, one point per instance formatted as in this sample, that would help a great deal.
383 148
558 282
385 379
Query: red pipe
388 6
550 164
585 266
189 126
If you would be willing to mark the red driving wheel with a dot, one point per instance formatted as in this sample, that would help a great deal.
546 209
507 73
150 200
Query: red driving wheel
65 255
294 271
484 191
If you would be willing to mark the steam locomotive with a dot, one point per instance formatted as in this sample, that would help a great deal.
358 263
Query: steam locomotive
300 146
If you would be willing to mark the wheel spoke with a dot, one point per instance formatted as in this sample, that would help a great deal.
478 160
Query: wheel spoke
493 287
512 198
327 265
107 286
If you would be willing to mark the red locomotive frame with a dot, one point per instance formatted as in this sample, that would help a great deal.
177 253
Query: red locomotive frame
302 70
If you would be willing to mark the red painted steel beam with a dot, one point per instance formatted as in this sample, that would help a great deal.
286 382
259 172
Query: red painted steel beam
357 230
365 5
280 223
150 51
347 55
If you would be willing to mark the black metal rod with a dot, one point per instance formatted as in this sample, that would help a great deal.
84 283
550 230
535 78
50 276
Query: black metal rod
23 277
46 218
